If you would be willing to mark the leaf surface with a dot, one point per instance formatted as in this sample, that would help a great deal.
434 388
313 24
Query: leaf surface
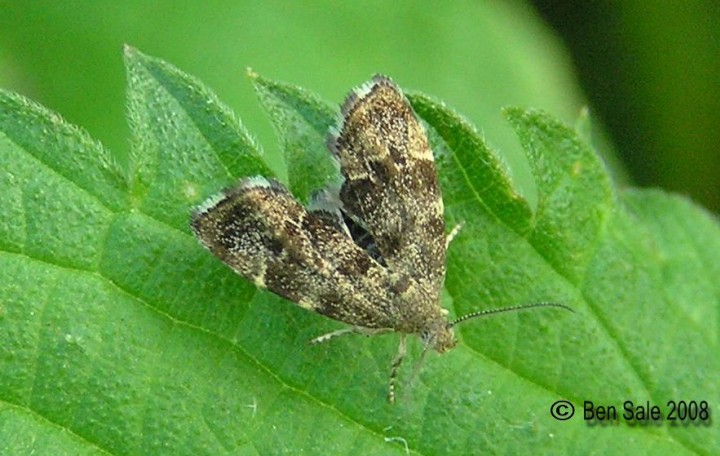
119 334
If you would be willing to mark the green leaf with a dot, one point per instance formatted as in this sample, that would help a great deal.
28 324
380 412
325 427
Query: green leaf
182 134
119 334
468 167
301 121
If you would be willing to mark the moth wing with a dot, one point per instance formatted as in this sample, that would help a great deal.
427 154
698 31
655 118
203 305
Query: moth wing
264 234
390 180
328 200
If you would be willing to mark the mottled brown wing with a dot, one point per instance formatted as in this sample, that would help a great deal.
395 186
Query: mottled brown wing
265 235
390 182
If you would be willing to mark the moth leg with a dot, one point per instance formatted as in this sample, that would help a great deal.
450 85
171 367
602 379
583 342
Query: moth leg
350 330
418 365
394 367
330 335
453 233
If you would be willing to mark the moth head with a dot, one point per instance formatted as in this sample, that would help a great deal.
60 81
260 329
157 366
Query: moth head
439 336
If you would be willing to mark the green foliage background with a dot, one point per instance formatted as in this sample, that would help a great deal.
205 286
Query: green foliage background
649 68
119 335
650 71
478 58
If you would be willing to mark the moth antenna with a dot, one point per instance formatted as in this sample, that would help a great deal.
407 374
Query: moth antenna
485 313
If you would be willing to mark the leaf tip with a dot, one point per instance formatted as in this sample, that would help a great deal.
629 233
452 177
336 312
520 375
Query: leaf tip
130 52
256 79
513 112
132 56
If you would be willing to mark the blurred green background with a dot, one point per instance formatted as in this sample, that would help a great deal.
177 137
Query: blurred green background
649 72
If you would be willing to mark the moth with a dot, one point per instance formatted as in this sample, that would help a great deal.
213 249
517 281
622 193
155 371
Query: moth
370 253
